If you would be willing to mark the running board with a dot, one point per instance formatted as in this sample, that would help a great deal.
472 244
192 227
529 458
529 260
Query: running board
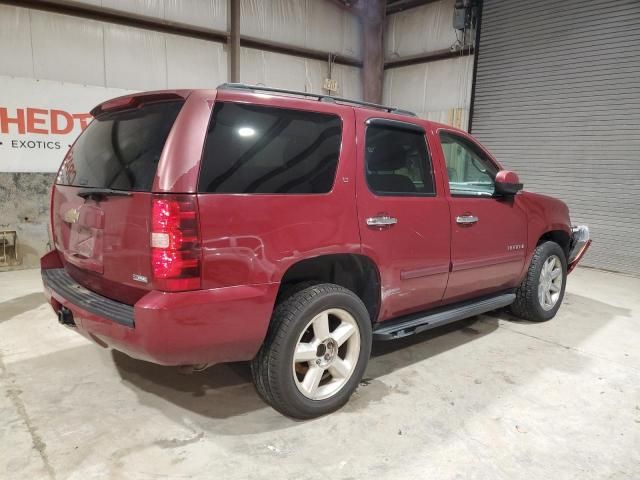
419 322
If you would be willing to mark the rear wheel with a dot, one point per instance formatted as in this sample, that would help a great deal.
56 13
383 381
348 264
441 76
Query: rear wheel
315 352
540 295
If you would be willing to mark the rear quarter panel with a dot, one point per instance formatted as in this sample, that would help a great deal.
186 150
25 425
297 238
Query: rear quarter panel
251 239
179 163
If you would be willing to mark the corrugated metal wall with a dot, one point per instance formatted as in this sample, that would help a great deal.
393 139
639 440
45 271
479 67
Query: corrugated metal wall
557 99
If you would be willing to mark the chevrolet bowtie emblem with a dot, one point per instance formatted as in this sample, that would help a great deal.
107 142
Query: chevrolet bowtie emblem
72 215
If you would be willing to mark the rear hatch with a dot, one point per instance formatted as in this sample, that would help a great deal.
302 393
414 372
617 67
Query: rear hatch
101 203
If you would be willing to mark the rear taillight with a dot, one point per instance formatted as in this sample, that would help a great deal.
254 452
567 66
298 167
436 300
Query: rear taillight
52 235
175 242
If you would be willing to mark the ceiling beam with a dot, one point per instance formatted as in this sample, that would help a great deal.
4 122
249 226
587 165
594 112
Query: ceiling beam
392 6
287 49
395 6
427 57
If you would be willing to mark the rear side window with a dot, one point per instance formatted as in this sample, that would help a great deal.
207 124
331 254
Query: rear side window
257 149
397 162
121 150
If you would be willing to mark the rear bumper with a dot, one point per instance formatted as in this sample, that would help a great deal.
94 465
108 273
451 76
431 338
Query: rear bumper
183 328
59 282
580 243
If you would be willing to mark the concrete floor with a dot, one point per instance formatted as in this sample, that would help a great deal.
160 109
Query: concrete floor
491 398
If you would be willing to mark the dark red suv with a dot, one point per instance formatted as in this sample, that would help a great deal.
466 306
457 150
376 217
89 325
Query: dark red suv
193 227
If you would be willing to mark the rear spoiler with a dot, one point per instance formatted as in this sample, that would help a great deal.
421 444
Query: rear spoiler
134 101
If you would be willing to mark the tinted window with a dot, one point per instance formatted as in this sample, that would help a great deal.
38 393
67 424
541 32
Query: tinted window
255 149
120 150
469 171
397 162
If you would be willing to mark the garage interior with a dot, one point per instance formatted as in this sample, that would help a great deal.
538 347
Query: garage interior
550 87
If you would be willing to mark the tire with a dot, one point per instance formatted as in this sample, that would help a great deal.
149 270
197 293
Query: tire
333 358
531 302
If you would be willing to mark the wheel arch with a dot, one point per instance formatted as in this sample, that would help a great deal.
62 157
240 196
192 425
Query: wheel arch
358 273
560 237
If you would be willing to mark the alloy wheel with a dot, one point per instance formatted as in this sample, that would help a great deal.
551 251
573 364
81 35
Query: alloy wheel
326 354
550 284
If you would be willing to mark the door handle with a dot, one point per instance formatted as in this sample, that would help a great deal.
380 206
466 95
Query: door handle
381 221
466 219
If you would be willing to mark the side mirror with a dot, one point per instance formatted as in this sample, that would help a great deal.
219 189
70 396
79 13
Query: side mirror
507 183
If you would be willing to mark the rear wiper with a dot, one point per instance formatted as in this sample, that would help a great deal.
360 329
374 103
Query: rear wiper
100 193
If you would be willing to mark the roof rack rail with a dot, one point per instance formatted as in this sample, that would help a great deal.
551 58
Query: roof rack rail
319 96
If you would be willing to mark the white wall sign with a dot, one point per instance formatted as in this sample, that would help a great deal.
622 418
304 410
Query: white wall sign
40 119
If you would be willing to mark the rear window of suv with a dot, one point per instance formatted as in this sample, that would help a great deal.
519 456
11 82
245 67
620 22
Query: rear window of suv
121 150
258 149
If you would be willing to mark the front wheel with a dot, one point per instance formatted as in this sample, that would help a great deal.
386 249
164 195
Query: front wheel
540 295
315 352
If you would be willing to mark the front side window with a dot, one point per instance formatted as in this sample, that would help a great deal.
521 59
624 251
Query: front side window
259 149
470 172
397 162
